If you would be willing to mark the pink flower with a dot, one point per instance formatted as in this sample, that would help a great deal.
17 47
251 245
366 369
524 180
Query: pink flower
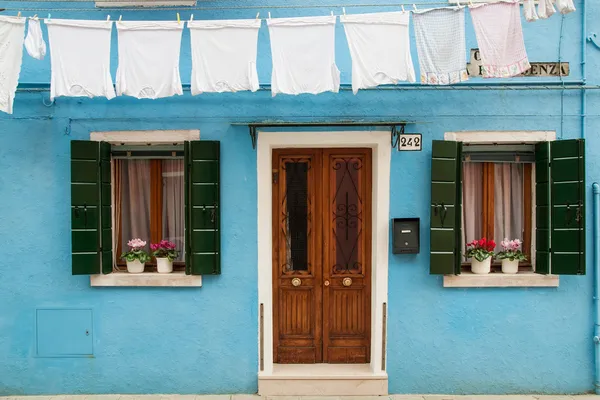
136 243
510 245
163 245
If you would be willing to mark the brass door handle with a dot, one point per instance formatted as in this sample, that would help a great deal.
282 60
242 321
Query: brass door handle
326 283
296 282
347 281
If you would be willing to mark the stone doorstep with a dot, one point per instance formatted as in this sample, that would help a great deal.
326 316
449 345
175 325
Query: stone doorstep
256 397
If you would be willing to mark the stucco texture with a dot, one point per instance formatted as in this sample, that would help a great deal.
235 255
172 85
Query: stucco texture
204 340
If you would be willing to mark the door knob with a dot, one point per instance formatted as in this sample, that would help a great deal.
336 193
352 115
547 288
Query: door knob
296 282
347 281
326 283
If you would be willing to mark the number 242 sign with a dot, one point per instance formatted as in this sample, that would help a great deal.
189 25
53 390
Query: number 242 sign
410 142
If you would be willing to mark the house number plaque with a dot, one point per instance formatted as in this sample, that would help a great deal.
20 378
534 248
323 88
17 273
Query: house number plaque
410 142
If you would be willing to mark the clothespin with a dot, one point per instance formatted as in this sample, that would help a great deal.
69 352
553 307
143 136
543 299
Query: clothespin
332 13
178 19
269 14
35 17
49 15
107 18
19 14
257 14
470 3
402 6
344 10
120 18
415 7
191 17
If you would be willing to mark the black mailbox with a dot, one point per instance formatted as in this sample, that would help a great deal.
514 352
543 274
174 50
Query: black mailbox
405 236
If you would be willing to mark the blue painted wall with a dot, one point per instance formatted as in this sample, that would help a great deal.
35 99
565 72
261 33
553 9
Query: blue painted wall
169 340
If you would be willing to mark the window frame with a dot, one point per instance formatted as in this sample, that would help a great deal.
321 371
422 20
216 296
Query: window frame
152 137
523 278
529 217
156 209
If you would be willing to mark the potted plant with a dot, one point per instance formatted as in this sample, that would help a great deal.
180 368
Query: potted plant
136 257
511 255
481 252
165 252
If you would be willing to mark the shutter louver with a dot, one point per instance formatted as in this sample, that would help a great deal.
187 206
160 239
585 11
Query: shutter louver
446 201
203 209
90 208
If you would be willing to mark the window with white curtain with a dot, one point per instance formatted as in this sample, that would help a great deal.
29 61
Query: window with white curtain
498 196
148 204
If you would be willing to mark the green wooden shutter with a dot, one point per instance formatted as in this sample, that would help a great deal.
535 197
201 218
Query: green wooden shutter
542 208
567 168
106 243
446 201
91 219
203 209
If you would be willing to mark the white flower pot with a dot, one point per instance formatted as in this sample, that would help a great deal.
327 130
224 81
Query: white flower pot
164 265
481 267
135 267
510 267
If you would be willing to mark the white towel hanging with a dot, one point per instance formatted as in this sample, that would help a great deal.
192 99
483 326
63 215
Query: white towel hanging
529 11
34 42
565 6
545 9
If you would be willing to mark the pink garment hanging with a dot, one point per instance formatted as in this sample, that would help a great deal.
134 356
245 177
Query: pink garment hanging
500 39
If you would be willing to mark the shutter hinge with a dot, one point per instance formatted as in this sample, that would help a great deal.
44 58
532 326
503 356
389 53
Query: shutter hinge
275 177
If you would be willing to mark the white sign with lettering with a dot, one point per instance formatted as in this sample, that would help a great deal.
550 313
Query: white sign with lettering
410 142
537 68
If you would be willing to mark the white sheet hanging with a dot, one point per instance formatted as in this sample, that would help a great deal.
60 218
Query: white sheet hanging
80 58
149 59
440 37
34 41
224 55
303 52
379 47
500 39
12 36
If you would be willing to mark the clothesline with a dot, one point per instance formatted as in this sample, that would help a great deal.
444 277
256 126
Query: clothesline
224 52
460 87
255 7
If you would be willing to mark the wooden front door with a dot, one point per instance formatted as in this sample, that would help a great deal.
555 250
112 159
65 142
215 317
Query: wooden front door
321 255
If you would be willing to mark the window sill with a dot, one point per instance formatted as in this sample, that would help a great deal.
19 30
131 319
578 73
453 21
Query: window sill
522 279
149 279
